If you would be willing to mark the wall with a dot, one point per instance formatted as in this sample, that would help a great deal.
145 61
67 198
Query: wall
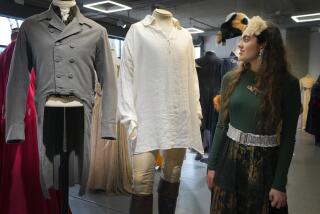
300 44
314 56
298 50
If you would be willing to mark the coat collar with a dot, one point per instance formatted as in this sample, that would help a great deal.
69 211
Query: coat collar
74 27
54 19
149 20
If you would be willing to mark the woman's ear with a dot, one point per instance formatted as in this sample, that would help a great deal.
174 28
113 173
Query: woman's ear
262 46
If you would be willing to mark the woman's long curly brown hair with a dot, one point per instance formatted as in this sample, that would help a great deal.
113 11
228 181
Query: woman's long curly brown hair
269 80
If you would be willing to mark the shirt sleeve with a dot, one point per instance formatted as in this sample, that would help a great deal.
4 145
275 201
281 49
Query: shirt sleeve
126 103
17 88
221 128
290 113
107 78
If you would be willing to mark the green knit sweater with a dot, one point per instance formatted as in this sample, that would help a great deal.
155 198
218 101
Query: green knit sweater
242 115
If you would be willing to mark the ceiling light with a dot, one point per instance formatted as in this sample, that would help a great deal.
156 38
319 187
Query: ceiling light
306 17
194 30
107 6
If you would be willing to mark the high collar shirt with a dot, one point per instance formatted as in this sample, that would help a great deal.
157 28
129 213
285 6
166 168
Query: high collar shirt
158 87
67 58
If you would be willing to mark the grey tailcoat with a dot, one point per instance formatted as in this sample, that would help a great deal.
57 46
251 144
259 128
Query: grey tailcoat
67 60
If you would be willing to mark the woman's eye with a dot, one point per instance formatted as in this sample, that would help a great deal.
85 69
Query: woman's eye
246 39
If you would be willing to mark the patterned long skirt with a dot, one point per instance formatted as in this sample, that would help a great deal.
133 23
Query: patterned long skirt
243 180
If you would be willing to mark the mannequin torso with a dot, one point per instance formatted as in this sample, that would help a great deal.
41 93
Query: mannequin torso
164 20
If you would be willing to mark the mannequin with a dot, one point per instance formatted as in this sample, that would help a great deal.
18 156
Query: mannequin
164 21
306 84
70 53
64 102
209 77
159 104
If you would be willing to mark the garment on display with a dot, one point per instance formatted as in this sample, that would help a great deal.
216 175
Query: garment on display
209 76
62 56
159 93
19 164
306 84
110 167
313 119
159 104
229 63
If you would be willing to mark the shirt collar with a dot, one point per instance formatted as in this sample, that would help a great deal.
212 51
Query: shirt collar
149 20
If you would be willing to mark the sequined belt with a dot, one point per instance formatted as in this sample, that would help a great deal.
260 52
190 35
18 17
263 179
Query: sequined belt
249 139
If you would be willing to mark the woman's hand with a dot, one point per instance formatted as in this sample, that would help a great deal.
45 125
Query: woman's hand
210 179
278 199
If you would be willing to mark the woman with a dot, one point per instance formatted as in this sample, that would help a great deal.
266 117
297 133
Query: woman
255 135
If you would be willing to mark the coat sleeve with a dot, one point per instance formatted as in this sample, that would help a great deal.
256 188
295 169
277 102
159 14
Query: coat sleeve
17 88
126 104
107 78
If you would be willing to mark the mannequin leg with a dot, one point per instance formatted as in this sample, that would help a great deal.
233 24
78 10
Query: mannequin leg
168 189
143 177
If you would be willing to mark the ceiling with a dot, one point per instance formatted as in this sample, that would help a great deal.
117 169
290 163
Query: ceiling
213 12
205 14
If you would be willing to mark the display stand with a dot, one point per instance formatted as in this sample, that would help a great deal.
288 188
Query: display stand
64 169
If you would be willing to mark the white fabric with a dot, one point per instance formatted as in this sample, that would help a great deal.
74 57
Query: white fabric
65 12
158 87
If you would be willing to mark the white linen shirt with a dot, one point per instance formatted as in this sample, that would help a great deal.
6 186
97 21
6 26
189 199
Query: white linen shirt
158 87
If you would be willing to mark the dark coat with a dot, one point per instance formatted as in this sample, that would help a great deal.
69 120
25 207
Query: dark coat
313 119
209 75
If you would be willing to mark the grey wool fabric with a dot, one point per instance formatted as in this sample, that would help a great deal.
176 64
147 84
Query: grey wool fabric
68 59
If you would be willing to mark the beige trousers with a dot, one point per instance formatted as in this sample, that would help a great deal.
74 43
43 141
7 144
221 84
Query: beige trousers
144 169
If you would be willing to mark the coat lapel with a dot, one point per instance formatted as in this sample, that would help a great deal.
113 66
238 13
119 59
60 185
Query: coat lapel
55 21
72 28
75 26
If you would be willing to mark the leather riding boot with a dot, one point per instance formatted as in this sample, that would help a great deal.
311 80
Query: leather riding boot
141 204
167 196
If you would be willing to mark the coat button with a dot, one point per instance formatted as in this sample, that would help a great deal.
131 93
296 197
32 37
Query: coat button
70 76
57 59
58 75
71 60
51 30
